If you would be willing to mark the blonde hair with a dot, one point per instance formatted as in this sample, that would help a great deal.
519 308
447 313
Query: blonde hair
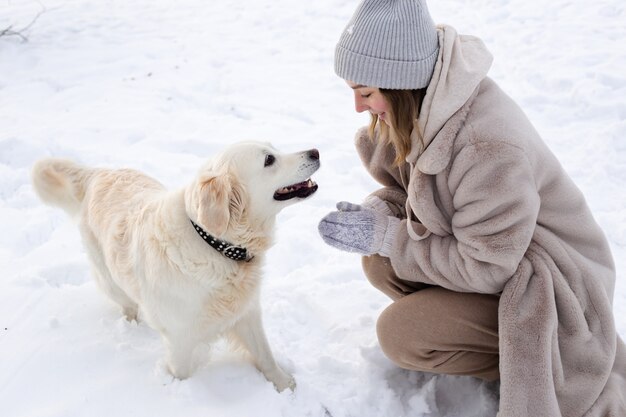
405 106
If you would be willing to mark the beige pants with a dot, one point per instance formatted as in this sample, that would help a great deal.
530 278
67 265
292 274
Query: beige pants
432 329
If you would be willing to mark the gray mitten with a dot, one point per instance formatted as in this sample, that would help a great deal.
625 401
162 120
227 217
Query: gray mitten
355 228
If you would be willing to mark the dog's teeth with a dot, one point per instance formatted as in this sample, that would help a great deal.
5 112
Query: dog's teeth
295 187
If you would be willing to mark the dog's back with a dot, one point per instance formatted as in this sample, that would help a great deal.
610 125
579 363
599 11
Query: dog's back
110 207
66 184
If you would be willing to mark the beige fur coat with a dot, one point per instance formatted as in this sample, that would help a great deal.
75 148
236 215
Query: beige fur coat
492 211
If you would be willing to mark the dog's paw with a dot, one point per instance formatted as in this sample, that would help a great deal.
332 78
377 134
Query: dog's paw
131 314
291 385
282 380
179 370
178 374
283 385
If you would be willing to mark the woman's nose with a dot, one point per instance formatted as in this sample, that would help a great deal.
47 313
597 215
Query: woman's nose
359 104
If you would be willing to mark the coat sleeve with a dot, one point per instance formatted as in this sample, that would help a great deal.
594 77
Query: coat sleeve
496 204
378 158
395 198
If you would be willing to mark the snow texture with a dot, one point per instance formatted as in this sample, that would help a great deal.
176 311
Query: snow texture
158 86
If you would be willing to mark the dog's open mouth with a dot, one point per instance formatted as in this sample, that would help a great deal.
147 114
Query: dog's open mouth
299 190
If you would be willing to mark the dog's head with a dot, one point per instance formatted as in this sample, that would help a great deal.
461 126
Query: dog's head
249 182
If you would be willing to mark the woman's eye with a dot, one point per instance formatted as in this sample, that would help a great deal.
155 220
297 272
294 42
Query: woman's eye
269 160
366 95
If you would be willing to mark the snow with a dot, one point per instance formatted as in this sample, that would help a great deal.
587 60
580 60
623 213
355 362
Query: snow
158 86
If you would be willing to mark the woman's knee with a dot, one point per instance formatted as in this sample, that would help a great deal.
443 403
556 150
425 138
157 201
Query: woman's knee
399 332
416 333
382 276
377 270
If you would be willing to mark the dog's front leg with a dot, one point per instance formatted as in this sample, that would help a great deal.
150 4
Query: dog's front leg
249 331
180 356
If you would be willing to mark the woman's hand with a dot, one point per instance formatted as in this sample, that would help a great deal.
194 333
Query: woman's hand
355 228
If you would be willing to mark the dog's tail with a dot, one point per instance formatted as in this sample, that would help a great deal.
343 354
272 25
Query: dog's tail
61 183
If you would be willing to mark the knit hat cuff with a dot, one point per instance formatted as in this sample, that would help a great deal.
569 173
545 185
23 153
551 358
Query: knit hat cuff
384 73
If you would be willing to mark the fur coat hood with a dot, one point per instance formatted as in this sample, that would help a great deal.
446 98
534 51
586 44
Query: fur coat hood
487 208
463 62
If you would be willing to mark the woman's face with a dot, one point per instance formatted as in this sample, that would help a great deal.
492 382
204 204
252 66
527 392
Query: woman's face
370 99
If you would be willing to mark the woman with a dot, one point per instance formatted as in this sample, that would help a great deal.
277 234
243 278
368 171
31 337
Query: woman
493 260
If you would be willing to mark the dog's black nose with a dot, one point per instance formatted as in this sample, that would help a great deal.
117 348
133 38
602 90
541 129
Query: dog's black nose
314 154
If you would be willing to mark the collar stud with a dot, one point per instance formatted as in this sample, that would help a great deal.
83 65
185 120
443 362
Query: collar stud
236 253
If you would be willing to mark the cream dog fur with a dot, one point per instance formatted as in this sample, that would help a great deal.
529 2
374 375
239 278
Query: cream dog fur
147 256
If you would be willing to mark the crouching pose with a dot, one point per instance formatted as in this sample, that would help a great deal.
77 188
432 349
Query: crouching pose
491 256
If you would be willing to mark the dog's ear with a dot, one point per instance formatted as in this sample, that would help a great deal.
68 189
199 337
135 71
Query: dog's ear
213 203
237 201
218 200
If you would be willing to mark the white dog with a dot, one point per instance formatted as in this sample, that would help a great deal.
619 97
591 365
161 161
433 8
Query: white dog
189 260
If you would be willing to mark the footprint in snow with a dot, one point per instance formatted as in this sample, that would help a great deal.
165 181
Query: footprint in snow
73 274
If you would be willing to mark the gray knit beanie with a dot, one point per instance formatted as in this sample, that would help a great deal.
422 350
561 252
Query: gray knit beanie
388 44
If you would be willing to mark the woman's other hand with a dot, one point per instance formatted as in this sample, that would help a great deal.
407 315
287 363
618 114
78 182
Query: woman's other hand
358 228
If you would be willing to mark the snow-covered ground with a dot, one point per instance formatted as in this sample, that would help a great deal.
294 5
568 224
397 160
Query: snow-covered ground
159 85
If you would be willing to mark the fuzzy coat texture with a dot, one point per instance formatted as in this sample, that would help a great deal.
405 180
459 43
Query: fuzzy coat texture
491 210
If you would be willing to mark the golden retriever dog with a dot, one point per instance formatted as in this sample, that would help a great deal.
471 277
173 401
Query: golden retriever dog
189 260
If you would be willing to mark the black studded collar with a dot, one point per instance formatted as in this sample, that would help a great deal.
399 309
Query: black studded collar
236 253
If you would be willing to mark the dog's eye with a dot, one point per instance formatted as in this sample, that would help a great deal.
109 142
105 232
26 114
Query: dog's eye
269 160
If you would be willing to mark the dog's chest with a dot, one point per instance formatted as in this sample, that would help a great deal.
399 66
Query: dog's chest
231 295
209 297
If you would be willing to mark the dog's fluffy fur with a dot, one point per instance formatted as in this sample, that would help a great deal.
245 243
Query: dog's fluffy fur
147 257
